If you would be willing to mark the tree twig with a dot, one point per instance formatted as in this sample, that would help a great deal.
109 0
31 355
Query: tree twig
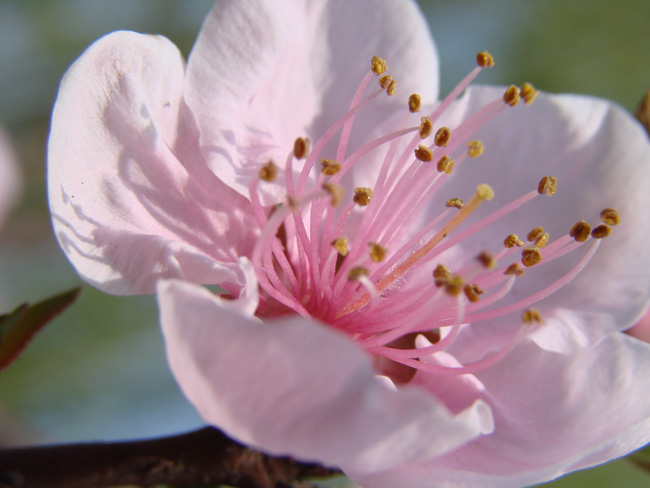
202 457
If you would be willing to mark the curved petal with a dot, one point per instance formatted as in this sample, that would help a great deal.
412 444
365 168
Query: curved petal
554 413
130 196
262 74
600 156
292 387
10 181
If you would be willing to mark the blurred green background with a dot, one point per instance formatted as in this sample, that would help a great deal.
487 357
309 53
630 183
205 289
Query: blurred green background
98 372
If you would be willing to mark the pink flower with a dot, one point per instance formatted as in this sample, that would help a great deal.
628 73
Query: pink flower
350 352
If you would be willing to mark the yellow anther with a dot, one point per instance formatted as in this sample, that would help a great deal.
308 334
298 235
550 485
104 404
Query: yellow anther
455 202
442 136
335 190
542 240
580 231
547 185
610 216
362 196
357 272
511 96
454 285
269 171
475 149
301 147
535 233
514 269
330 166
601 231
384 81
341 245
378 65
531 256
377 252
441 275
426 127
531 315
473 292
446 164
484 59
391 88
487 259
528 93
513 240
423 153
414 103
484 191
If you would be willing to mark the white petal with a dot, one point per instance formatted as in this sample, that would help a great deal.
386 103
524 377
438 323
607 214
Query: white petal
264 73
293 387
130 196
554 413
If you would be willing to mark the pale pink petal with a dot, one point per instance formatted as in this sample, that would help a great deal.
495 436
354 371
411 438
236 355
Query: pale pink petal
130 196
10 181
599 154
262 74
554 413
294 387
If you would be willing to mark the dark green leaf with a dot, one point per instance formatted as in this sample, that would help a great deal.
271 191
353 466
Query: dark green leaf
19 327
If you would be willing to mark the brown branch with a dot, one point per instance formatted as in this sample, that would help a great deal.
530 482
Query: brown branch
203 457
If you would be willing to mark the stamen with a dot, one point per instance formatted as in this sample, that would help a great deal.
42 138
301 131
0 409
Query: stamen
341 245
455 202
531 256
357 272
330 167
601 231
441 275
547 185
426 128
391 88
514 269
446 164
378 65
475 148
269 171
528 93
335 190
384 81
454 285
535 233
487 260
610 216
377 252
580 231
423 153
542 240
473 292
414 103
531 315
442 136
511 96
301 147
484 59
513 240
362 196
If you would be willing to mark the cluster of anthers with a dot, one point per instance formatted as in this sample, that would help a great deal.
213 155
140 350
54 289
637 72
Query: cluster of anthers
360 283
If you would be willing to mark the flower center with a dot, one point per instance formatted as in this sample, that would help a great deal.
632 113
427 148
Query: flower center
361 263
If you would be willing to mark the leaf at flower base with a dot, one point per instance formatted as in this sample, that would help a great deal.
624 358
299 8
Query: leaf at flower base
641 458
19 326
